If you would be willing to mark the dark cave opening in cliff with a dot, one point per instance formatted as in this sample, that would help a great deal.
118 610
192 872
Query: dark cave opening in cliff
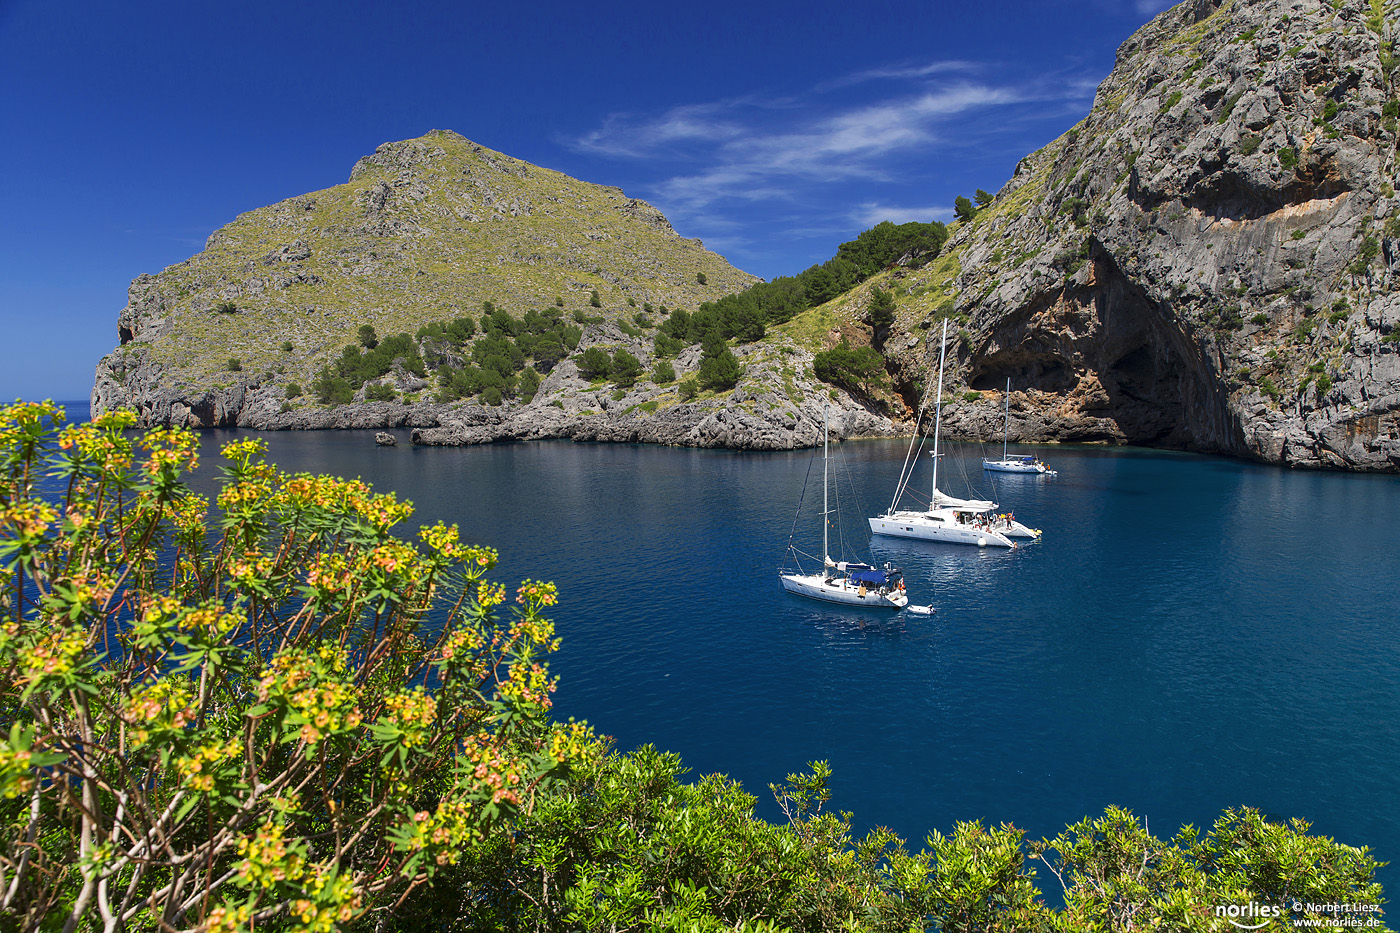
1106 363
1044 373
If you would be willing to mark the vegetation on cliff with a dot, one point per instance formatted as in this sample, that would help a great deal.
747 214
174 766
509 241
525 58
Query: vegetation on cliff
425 230
744 315
496 366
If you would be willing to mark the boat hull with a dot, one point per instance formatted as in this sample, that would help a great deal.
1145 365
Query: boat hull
926 526
1012 466
816 586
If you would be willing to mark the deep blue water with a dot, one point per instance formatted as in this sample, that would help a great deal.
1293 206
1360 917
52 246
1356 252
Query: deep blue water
1191 634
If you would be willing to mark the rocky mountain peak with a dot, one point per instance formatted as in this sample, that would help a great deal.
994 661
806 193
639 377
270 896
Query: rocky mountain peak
424 231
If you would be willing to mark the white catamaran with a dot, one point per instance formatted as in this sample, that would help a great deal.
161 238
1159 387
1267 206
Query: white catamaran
948 518
844 582
1013 464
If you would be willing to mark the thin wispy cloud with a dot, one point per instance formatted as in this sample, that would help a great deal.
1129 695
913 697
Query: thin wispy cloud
900 73
625 135
1151 7
869 214
748 155
854 150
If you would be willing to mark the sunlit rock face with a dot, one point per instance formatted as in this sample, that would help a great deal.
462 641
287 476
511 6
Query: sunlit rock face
1207 261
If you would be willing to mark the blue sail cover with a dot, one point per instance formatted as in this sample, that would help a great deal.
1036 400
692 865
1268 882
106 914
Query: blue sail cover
872 577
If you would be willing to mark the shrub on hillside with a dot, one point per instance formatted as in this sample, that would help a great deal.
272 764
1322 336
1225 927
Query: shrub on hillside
880 311
380 392
529 384
625 368
331 389
594 363
856 368
719 367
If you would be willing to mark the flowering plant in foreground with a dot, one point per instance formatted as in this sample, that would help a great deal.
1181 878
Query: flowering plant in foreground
284 711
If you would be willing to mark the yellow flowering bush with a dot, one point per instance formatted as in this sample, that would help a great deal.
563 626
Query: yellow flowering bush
283 712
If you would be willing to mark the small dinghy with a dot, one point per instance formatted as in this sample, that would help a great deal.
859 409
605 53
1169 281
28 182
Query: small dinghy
921 610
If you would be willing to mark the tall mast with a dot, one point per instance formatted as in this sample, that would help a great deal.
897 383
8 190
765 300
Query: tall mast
1006 429
938 416
906 473
826 508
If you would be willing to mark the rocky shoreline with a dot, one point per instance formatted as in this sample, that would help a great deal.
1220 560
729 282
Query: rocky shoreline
760 414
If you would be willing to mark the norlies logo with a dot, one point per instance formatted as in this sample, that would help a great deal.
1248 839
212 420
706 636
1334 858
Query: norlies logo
1249 916
1253 916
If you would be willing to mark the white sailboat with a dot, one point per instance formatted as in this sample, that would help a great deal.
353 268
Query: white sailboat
845 582
1013 464
948 518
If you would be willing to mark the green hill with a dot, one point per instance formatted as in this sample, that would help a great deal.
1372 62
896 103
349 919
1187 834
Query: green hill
425 230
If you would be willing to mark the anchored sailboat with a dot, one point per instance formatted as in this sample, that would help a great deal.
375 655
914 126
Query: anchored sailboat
1013 464
948 518
844 582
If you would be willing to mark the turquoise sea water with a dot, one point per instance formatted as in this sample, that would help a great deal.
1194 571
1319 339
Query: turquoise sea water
1191 634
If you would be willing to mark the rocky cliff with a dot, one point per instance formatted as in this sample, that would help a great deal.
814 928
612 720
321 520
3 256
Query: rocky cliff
1208 261
424 230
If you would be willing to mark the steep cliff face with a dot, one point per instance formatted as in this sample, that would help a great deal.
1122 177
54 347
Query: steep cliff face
1207 261
425 230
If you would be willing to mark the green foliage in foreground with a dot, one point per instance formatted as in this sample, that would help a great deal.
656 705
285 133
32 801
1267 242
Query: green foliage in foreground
243 724
626 844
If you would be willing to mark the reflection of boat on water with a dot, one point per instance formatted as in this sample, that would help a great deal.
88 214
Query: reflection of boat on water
948 518
1022 464
845 582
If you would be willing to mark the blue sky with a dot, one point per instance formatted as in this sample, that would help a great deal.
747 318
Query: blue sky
771 130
